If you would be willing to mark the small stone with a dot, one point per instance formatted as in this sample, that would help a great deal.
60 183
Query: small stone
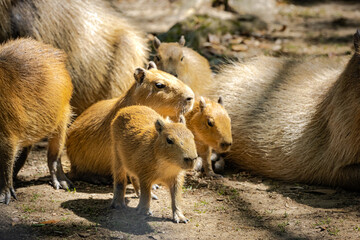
84 235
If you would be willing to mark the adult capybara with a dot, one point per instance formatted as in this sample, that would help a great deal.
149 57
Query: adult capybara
152 150
35 92
211 126
103 48
185 63
89 143
296 120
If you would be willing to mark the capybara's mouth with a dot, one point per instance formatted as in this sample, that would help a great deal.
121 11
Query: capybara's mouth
190 162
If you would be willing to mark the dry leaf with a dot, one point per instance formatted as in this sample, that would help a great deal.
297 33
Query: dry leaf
50 222
239 47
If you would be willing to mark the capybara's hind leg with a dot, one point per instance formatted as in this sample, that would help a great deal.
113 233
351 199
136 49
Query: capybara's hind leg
120 181
135 183
20 160
56 145
7 155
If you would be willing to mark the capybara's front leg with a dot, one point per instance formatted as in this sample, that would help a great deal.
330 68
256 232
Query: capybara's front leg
20 160
176 191
7 155
145 196
205 154
56 145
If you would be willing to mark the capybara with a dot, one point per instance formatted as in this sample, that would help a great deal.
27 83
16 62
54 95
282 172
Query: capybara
152 150
35 92
103 48
211 126
296 120
89 143
185 63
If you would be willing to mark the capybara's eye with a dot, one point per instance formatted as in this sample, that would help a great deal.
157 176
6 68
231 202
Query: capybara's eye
158 58
160 85
182 58
169 141
210 123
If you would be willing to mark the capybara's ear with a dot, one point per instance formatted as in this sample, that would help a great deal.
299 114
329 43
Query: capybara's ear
152 65
156 43
220 101
139 75
202 103
182 40
357 41
159 125
182 119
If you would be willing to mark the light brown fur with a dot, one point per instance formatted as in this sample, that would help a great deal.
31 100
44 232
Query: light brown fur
89 144
152 150
103 48
211 126
185 63
296 120
35 92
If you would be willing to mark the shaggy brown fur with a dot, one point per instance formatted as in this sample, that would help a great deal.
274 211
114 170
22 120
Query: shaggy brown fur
103 48
211 125
35 91
152 150
296 120
89 145
185 63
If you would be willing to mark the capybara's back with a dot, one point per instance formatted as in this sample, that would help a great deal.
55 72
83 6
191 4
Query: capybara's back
295 120
35 89
103 48
35 92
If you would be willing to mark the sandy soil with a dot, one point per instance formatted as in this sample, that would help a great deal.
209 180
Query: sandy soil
239 206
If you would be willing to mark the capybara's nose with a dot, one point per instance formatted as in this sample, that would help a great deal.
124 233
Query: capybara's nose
225 145
187 159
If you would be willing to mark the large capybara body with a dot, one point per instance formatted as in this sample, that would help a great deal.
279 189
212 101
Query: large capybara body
103 49
296 120
211 126
35 92
89 143
151 150
185 63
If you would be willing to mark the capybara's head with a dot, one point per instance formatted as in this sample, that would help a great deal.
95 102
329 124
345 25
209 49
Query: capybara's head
163 92
170 57
175 143
212 124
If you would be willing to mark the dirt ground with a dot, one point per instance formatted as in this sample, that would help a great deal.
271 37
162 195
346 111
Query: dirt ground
239 206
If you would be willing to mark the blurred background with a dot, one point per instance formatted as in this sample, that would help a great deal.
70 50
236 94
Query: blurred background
227 29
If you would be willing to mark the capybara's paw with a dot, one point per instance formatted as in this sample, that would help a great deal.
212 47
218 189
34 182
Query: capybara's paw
6 193
179 217
155 186
118 205
154 197
211 174
144 211
61 181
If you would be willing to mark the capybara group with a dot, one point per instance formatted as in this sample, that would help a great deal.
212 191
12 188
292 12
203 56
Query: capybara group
89 143
35 92
152 150
103 48
296 120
